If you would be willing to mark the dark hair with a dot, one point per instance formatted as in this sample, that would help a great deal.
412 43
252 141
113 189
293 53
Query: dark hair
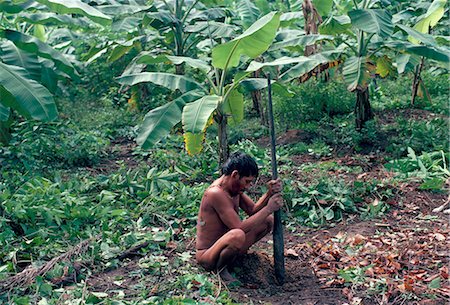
243 163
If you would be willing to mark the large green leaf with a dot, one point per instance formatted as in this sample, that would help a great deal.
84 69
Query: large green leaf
193 62
14 7
248 12
234 106
122 9
167 80
441 54
304 40
416 36
209 14
12 55
334 25
213 29
53 19
160 121
434 13
49 78
355 72
34 45
77 7
127 24
4 113
29 98
372 21
196 114
323 6
252 43
303 64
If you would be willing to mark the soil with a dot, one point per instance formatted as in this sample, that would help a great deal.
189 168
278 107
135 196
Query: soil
255 272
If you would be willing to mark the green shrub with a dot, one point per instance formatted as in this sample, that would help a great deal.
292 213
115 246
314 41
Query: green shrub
40 146
313 100
419 135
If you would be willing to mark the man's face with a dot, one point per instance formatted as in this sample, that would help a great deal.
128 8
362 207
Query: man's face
242 183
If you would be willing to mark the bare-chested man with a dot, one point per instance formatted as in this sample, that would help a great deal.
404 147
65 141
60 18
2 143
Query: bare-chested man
221 234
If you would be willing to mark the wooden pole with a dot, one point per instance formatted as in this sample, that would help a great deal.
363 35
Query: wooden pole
278 242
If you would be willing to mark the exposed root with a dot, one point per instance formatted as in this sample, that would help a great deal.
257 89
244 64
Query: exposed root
29 274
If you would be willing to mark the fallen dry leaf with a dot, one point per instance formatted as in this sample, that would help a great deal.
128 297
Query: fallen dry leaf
291 253
439 237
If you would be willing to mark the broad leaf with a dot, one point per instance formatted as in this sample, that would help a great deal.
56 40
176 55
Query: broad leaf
302 41
127 24
122 9
372 21
193 142
384 66
323 6
14 56
439 54
4 113
34 45
194 63
48 76
416 37
248 12
77 7
234 106
356 73
196 114
14 7
53 19
215 29
406 62
167 80
252 84
209 14
252 43
334 25
434 13
29 97
160 121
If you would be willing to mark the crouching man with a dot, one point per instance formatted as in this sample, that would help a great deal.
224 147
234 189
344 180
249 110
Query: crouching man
221 235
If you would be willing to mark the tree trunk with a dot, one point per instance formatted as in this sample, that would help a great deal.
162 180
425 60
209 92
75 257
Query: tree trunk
416 81
223 140
363 111
312 22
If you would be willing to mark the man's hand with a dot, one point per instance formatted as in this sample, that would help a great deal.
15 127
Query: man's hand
274 187
275 203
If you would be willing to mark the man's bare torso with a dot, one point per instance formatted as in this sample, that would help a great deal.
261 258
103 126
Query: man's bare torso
209 225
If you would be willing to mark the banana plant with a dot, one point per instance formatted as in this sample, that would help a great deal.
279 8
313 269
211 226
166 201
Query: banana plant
216 99
29 67
368 34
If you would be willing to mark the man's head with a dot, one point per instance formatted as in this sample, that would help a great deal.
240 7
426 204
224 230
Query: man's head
242 168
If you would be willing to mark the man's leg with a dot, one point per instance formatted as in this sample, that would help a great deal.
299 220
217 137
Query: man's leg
222 252
257 233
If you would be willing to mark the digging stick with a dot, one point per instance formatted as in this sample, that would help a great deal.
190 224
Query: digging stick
278 242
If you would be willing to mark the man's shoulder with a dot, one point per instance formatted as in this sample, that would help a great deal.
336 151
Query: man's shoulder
214 190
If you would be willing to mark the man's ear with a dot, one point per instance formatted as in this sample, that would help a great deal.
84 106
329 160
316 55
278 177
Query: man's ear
235 174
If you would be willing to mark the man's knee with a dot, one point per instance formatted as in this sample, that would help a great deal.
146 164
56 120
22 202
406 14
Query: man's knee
236 238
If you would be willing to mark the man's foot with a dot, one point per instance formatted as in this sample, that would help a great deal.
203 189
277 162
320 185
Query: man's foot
226 276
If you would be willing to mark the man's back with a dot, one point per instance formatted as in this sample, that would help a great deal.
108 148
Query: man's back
210 226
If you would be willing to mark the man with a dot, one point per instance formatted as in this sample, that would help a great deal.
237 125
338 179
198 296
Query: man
221 235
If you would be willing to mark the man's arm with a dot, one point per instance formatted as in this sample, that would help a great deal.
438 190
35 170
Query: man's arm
224 208
250 208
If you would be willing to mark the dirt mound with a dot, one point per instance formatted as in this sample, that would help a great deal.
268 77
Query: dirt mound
255 272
